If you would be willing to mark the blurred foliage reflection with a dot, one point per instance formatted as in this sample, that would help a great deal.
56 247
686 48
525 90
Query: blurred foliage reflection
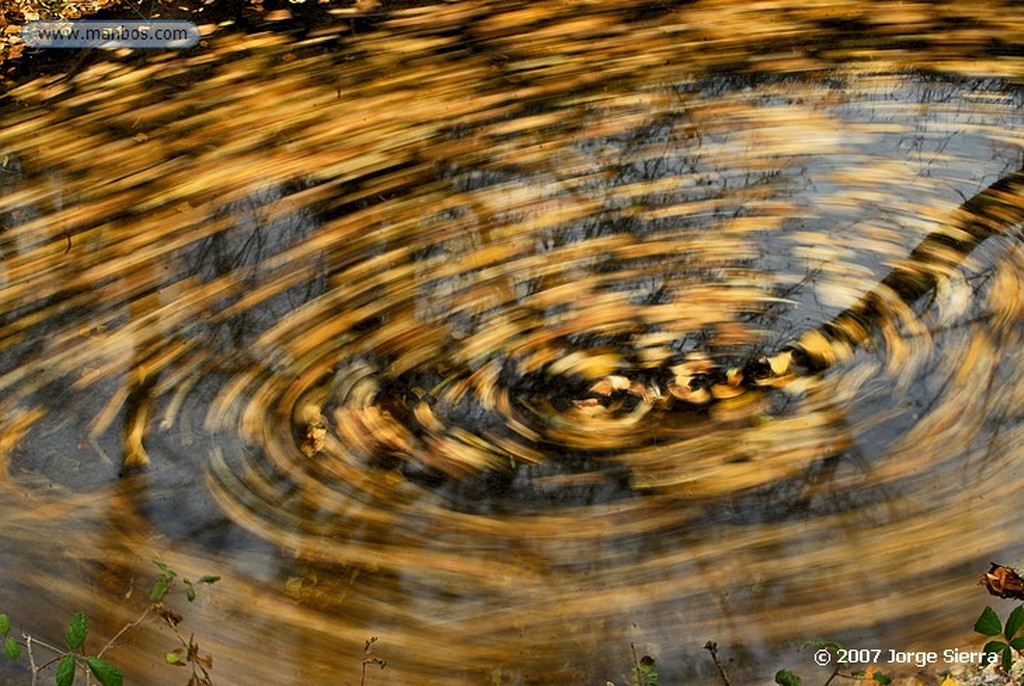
515 333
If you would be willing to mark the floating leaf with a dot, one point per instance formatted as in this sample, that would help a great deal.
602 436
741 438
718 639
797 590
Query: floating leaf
1014 622
5 624
316 439
12 648
77 630
988 623
1003 581
190 593
209 579
106 673
65 673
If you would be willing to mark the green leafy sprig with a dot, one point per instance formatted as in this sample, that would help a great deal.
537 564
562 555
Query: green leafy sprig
988 624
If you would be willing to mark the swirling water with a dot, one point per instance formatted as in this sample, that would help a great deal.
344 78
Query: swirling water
349 294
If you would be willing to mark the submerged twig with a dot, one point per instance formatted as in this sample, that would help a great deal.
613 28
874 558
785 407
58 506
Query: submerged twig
371 659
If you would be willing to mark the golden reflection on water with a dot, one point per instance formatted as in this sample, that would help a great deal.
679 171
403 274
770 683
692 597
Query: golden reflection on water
352 306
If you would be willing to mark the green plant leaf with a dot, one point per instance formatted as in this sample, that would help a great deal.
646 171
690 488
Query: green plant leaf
105 673
881 678
994 647
190 593
822 643
784 677
1007 659
65 672
645 675
5 624
209 579
1018 643
159 589
174 658
77 630
1014 622
12 648
988 623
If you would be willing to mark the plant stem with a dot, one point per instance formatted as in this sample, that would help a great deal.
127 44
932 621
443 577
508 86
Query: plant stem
636 667
29 641
31 659
126 627
36 669
712 648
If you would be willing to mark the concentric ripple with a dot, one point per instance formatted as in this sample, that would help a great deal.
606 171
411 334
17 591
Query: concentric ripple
514 335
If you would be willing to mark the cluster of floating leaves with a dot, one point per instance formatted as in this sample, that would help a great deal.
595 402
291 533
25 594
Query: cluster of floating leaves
506 321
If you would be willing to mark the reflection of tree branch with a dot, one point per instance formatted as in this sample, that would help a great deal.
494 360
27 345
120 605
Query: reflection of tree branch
992 212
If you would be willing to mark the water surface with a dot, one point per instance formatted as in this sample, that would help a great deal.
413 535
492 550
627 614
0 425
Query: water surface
349 296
